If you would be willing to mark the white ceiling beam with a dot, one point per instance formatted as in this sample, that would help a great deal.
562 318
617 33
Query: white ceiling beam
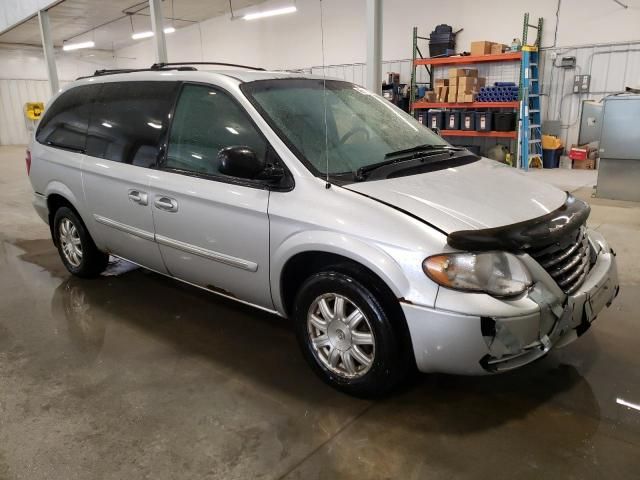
13 13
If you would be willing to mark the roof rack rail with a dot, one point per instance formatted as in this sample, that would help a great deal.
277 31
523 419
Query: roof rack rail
161 66
100 73
181 66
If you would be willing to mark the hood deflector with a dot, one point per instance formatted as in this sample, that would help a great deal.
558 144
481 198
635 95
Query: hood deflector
535 233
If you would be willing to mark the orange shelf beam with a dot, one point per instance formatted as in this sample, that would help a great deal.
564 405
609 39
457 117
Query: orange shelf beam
422 104
501 57
473 133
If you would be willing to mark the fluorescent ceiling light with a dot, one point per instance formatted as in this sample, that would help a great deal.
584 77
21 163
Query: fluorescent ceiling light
149 33
139 35
78 46
270 13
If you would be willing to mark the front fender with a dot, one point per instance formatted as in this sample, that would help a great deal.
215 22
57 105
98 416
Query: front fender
375 259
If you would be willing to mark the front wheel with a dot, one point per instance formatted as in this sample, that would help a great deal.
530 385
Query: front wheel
346 335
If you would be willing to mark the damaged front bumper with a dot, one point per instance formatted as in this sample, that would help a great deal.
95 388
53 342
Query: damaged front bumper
449 342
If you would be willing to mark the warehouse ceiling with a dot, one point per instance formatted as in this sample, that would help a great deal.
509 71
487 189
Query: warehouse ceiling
110 23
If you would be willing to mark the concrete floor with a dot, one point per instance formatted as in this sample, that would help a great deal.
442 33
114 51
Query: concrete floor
138 376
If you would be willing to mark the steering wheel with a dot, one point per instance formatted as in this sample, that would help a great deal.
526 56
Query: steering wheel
352 132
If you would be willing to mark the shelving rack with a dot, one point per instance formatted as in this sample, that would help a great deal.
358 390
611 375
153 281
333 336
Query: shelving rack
527 106
466 60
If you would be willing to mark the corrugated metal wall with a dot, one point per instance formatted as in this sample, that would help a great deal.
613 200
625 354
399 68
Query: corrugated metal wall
612 68
14 127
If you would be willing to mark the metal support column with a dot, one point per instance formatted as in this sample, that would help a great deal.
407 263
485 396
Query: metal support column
47 47
374 45
157 25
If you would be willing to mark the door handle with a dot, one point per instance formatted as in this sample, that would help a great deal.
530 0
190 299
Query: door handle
139 197
167 204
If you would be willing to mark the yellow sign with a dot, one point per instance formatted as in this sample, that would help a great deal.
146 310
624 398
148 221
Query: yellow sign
33 110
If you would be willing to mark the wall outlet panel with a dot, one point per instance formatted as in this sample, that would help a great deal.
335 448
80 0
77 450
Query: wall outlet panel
581 83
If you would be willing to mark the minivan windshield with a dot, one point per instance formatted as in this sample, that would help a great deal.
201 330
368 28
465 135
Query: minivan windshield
362 129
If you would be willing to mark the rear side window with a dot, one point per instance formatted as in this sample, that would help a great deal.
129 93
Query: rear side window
129 121
66 121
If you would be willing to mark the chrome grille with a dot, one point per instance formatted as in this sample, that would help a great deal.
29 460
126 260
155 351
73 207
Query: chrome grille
568 262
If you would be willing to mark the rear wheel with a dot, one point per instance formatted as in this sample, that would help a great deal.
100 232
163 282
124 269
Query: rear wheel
77 250
347 336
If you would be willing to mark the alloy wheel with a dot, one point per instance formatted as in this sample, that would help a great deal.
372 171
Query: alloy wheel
70 242
341 335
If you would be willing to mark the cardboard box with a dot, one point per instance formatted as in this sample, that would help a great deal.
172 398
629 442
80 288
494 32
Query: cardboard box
463 97
466 97
463 72
467 83
481 48
442 82
442 93
481 82
453 94
498 48
430 96
588 164
470 97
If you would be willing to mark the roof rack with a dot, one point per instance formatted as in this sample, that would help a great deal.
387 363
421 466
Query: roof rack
180 66
161 66
103 72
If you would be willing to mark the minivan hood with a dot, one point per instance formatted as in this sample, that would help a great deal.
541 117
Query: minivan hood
481 194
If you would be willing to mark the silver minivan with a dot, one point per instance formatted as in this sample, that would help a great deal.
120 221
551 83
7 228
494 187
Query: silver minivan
317 200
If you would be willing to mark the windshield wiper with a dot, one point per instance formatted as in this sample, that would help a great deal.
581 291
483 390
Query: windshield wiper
401 156
415 151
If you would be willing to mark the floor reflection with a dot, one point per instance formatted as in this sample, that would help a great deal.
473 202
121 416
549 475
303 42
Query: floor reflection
262 346
142 336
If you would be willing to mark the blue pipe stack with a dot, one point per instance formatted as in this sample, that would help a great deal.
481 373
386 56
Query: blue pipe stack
500 92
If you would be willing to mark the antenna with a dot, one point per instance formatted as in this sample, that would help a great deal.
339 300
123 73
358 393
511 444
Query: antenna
324 94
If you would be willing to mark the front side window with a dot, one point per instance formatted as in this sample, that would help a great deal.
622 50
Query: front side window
65 123
206 121
129 121
361 128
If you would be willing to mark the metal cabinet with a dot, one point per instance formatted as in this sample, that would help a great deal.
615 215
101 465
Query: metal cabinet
619 170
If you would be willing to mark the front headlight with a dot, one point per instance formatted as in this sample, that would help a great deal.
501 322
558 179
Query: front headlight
497 273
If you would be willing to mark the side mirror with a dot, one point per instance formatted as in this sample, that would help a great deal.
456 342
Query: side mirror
240 161
272 173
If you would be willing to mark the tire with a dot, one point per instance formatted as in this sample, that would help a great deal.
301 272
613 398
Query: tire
77 250
327 341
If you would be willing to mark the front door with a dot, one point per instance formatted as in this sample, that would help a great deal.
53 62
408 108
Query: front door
128 124
213 230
